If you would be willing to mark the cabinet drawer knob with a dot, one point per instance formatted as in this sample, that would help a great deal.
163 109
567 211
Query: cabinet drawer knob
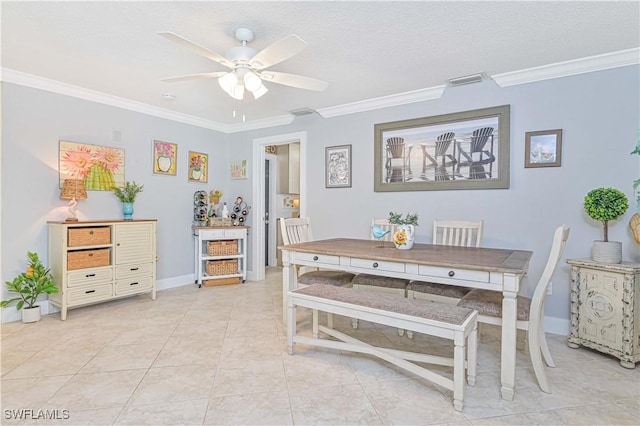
133 283
375 264
90 275
134 269
90 232
451 273
90 291
315 257
90 254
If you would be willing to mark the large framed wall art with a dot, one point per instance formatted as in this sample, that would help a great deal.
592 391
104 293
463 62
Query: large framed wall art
462 150
101 168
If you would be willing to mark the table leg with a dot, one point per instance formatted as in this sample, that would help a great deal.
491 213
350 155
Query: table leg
509 338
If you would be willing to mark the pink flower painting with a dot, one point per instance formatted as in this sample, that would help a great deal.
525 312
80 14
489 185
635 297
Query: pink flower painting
100 167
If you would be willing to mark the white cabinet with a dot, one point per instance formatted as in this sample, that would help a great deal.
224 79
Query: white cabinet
605 308
220 254
98 261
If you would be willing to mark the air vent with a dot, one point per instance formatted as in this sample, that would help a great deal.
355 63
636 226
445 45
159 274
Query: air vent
467 79
301 111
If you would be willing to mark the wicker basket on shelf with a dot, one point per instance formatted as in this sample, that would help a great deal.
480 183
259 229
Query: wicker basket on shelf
218 221
222 267
221 248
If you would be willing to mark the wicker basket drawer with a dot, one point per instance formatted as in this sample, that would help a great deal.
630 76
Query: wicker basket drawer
221 248
95 276
222 267
133 286
80 295
89 236
83 259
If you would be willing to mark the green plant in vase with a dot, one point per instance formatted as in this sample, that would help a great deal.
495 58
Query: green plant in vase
403 235
605 205
634 222
127 195
29 285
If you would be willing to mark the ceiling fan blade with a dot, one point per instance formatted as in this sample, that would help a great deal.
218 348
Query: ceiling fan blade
203 51
195 76
277 52
294 80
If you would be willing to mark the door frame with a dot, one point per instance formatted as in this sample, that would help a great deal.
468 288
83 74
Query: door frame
273 177
258 182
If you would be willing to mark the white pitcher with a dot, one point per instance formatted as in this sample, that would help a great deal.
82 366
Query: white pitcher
403 237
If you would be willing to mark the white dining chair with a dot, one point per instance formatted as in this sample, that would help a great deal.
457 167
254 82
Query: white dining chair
451 233
530 311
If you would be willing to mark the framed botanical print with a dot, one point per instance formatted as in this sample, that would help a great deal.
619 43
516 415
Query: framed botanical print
198 167
165 155
101 168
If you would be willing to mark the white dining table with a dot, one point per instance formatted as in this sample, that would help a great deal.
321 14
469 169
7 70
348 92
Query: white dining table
485 268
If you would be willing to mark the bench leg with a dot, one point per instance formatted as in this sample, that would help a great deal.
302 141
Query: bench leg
472 356
291 326
314 322
354 323
458 371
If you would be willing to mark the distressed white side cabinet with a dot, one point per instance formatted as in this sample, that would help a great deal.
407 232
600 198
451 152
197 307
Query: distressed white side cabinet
98 261
605 308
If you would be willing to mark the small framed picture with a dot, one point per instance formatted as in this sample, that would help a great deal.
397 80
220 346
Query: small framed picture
165 155
543 148
198 167
239 169
338 166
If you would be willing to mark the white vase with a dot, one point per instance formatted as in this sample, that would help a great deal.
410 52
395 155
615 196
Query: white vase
403 237
164 163
31 314
196 174
607 251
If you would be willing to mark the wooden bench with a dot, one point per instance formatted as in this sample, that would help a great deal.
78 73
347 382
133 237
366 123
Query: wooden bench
431 318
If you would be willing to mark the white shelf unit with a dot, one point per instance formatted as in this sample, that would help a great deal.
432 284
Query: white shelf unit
98 261
203 234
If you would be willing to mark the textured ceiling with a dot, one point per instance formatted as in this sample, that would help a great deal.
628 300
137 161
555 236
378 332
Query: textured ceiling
364 50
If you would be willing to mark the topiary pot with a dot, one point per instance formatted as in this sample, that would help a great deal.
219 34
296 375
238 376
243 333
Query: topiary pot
607 251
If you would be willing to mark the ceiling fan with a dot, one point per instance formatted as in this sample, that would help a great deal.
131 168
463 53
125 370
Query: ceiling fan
248 67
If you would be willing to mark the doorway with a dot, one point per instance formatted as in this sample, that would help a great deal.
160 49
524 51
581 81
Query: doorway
258 238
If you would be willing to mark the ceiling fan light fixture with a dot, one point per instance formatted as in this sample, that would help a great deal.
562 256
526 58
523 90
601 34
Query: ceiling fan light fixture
228 81
237 92
259 91
252 82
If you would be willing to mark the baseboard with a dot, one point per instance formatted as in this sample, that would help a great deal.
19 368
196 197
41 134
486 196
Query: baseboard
173 282
556 325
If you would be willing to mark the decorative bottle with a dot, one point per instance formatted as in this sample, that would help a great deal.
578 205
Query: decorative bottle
225 211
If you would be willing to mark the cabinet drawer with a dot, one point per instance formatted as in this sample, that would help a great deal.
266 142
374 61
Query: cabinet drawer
89 236
454 273
319 258
212 234
377 265
88 294
92 277
235 233
83 259
133 270
132 286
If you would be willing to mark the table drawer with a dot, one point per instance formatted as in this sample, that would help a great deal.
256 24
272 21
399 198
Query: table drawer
235 233
212 234
89 277
133 270
318 258
133 285
89 294
454 273
89 236
378 265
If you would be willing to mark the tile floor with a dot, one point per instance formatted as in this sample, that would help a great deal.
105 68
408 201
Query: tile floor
217 355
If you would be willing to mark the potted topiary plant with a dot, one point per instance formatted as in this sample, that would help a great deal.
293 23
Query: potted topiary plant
127 195
403 235
604 205
634 223
29 286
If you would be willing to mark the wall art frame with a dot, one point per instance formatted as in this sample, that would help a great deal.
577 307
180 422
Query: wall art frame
338 166
100 167
543 148
165 158
198 167
461 150
239 169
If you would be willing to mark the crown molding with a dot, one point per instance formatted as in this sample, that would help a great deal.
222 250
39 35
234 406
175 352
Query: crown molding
29 80
605 61
383 102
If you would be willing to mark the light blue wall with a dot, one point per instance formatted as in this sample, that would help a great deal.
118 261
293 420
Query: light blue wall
598 112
